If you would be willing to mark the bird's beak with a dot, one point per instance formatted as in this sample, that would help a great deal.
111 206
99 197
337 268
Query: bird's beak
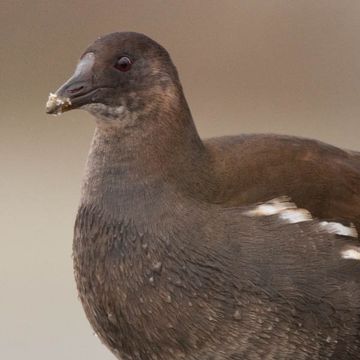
77 91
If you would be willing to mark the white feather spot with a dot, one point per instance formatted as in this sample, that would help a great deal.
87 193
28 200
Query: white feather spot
340 229
271 207
283 207
293 216
351 253
288 212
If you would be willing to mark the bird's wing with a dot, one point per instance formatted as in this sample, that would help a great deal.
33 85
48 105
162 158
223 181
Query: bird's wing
317 176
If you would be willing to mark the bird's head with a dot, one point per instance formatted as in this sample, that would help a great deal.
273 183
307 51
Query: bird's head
121 75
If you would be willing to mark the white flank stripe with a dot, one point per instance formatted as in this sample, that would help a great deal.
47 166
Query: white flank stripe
283 207
340 229
288 212
293 216
351 253
271 207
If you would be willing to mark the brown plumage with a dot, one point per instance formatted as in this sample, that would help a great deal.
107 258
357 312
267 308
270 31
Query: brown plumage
173 257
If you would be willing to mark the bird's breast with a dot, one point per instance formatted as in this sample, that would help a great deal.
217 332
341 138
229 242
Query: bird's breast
133 289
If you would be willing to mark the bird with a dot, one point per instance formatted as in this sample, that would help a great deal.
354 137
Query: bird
229 248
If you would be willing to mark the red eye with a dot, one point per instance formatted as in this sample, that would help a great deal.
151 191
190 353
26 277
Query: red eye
123 64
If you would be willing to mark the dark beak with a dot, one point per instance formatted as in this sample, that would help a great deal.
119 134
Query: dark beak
77 91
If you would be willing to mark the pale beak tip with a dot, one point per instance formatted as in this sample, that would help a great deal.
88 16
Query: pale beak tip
56 105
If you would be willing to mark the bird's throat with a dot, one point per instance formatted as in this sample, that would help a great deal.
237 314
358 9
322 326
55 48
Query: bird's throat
131 169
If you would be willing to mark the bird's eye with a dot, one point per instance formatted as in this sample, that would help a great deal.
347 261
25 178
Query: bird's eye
123 64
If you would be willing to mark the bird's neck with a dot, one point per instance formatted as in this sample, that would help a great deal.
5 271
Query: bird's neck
133 168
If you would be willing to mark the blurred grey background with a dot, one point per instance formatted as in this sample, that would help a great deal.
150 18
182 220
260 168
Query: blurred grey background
246 66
